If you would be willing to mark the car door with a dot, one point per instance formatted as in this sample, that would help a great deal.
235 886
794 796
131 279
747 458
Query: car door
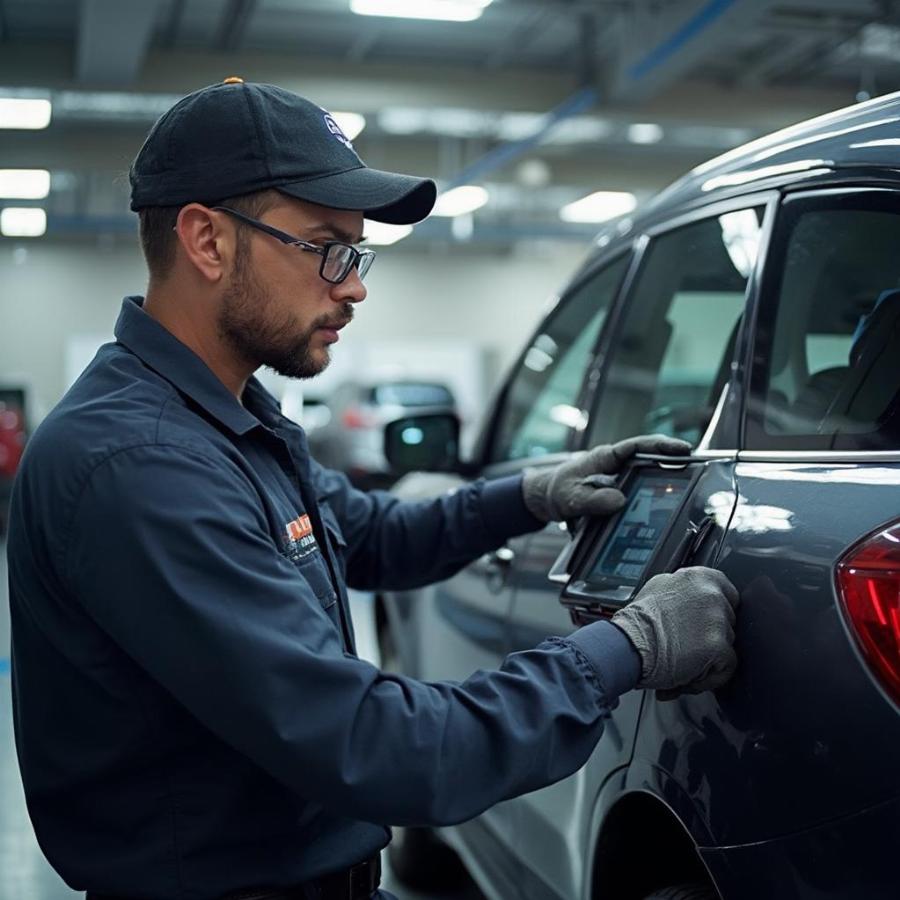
665 365
536 420
805 734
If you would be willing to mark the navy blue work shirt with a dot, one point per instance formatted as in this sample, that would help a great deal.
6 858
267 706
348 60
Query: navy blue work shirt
191 718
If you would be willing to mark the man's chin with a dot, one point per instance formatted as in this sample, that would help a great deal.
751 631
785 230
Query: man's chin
313 364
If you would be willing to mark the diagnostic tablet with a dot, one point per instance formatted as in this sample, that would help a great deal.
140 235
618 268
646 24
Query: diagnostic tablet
611 559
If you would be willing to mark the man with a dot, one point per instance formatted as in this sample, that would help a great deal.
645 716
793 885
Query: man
192 720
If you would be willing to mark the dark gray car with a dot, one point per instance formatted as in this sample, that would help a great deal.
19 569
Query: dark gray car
753 309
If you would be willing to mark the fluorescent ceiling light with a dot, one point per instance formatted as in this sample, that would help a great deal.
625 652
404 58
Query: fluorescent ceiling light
379 234
645 133
22 222
24 113
599 207
445 10
24 184
461 200
351 123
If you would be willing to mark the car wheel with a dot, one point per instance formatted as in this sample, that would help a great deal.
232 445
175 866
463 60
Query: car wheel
417 857
694 891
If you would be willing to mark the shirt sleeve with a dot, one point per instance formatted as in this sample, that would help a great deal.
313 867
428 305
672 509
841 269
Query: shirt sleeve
171 556
400 544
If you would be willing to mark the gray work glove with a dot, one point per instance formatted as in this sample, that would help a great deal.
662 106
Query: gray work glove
682 626
583 485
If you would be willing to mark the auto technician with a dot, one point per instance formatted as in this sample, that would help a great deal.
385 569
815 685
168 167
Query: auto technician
192 720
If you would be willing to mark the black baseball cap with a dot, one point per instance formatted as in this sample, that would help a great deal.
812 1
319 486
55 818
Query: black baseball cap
237 138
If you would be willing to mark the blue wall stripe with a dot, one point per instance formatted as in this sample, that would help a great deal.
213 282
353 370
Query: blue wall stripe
4 667
700 21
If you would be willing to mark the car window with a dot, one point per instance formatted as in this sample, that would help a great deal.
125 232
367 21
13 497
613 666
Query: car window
541 411
671 357
412 394
825 361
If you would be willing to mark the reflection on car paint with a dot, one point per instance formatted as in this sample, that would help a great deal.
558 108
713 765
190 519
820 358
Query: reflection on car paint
754 518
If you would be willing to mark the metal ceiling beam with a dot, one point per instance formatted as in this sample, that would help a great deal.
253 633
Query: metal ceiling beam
780 61
579 102
169 33
520 36
364 44
112 40
695 31
235 21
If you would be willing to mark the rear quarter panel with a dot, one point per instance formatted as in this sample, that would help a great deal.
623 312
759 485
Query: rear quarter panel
802 734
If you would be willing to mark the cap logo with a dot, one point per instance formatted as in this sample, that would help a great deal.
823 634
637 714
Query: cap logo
335 129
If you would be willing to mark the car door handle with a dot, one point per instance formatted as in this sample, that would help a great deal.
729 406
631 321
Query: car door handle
501 558
689 546
497 567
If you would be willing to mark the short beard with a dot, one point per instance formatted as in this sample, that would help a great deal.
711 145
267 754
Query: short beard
245 323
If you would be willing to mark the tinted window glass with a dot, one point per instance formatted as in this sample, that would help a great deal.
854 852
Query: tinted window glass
826 374
409 394
671 357
541 405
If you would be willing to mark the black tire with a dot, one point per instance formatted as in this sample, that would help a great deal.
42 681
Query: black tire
694 891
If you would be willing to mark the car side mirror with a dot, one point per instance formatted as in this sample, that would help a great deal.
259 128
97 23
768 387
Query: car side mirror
427 442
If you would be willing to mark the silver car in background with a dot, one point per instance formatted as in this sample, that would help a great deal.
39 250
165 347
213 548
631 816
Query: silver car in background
352 439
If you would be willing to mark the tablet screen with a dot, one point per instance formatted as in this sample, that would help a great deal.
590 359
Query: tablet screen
652 501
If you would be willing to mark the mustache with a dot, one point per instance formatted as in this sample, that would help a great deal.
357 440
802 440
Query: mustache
330 322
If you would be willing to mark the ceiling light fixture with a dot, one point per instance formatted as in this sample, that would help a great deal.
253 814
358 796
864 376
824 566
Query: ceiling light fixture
599 207
460 201
20 112
645 133
443 10
23 222
380 234
351 123
24 184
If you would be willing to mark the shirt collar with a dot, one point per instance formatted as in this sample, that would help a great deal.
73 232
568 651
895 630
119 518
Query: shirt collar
177 363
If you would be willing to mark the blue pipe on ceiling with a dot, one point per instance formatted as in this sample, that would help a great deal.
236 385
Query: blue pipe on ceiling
586 97
699 22
578 102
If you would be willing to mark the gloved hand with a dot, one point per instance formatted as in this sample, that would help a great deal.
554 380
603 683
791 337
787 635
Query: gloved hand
682 626
582 485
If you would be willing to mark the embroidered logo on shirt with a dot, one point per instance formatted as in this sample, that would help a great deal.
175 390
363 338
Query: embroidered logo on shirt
299 538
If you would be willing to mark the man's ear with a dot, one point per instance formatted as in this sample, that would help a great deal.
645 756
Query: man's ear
208 241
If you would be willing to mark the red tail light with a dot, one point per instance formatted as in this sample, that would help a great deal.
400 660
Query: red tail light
869 581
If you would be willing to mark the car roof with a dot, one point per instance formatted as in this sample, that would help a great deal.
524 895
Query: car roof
863 136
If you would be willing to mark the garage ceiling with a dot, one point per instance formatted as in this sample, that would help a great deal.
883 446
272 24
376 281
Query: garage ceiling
464 101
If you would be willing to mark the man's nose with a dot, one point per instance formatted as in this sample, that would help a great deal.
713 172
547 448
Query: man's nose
351 289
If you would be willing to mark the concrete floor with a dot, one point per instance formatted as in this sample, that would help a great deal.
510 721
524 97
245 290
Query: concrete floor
24 873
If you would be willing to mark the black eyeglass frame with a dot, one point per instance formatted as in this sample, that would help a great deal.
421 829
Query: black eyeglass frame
361 260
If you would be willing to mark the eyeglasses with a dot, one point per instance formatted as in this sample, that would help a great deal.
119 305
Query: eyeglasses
338 259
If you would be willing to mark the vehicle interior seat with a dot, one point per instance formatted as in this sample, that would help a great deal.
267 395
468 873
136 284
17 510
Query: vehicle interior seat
870 388
816 396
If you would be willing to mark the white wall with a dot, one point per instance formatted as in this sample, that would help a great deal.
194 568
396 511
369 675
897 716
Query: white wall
57 296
